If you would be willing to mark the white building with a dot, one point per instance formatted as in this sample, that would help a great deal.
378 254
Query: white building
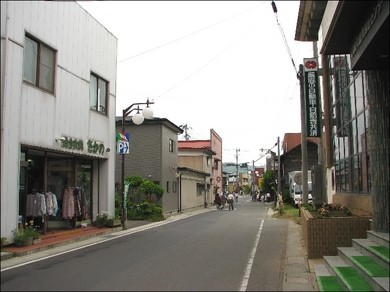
58 97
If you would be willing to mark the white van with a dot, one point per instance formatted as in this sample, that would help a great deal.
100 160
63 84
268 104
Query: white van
297 193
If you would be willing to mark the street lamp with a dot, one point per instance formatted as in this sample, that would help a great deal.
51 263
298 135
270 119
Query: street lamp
138 119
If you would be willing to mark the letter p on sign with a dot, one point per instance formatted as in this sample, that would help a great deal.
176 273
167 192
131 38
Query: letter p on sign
122 147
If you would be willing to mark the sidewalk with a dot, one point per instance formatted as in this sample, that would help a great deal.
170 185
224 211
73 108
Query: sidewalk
299 272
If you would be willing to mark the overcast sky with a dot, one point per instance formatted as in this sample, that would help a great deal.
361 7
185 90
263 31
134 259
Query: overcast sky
219 65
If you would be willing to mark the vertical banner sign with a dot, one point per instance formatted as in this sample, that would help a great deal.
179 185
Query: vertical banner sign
342 96
312 97
122 143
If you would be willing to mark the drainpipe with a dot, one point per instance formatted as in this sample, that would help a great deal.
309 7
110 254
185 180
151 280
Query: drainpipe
3 78
179 197
205 191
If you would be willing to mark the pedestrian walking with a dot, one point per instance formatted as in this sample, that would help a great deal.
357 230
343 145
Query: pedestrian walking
236 197
217 201
223 200
230 200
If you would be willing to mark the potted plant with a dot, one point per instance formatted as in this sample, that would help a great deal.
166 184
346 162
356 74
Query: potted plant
3 242
31 232
104 219
20 237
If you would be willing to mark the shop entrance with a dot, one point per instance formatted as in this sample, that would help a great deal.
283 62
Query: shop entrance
42 171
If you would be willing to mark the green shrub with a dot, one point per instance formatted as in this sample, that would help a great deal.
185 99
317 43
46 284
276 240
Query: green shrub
145 211
3 242
20 237
103 219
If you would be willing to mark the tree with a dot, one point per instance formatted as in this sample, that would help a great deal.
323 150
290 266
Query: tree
378 147
134 181
269 182
149 188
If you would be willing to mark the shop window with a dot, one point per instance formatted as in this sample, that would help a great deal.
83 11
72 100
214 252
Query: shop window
98 94
39 64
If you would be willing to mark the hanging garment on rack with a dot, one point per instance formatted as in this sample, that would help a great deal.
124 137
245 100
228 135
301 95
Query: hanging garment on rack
35 205
81 211
41 205
30 205
68 204
51 204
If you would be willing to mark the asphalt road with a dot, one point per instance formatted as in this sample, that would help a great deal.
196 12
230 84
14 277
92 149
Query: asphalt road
239 250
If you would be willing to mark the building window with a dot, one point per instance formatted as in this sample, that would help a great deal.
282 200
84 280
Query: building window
174 187
199 189
167 189
171 146
216 164
39 64
98 94
350 156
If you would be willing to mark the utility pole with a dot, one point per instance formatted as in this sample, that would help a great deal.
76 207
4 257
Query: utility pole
237 177
279 182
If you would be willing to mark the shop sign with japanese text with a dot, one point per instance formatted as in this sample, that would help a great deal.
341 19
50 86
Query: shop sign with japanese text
312 97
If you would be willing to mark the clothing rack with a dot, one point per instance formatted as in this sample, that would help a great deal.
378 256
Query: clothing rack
41 205
74 205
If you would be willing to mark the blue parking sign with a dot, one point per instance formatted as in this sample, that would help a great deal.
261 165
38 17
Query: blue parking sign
122 147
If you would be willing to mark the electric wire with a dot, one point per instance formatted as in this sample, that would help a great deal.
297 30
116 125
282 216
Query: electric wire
220 53
185 36
283 35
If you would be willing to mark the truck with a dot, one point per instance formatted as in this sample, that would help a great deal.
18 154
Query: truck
295 182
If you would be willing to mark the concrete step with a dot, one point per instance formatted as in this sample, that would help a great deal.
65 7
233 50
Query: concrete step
348 278
362 267
326 281
380 238
367 247
373 273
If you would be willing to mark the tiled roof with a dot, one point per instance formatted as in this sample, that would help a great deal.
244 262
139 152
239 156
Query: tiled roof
194 144
292 140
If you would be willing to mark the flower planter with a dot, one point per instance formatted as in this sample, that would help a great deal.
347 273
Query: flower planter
322 236
114 223
20 243
29 240
36 241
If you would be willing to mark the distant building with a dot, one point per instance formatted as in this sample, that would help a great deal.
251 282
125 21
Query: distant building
195 169
291 159
153 155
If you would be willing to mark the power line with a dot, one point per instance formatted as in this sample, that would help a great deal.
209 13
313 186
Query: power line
184 37
283 36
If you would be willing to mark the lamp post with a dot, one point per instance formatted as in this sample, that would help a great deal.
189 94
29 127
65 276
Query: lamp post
237 174
279 178
137 119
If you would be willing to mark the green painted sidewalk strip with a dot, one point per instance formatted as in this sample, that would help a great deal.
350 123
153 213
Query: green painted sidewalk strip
370 266
328 283
381 251
352 279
